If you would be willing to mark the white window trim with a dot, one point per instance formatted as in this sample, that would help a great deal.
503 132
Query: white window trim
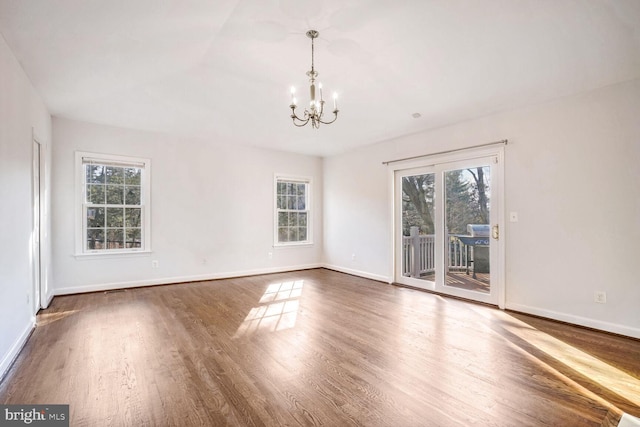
291 178
80 225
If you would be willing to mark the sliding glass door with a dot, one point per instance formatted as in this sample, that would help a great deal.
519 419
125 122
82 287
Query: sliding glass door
447 228
417 235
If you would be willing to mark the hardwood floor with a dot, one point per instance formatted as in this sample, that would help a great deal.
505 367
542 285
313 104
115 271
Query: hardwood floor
317 347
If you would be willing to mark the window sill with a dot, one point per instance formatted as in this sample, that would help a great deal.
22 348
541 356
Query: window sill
110 254
292 245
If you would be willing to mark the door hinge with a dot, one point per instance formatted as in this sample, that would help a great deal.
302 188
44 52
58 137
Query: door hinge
495 232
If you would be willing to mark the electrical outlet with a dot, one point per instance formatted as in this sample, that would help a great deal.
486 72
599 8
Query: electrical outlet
154 263
600 297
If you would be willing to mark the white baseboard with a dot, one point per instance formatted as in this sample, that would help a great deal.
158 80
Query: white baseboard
359 273
14 350
98 287
577 320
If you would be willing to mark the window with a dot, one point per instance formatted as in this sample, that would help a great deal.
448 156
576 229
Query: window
292 211
114 210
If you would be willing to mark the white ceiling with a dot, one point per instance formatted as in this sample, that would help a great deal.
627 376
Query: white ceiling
222 69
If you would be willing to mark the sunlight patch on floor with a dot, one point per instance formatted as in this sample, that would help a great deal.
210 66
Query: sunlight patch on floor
47 318
278 309
610 377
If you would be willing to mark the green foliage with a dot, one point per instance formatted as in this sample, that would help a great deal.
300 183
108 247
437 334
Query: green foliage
114 218
458 208
467 195
418 203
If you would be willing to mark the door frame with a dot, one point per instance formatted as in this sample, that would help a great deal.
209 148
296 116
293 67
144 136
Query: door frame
39 212
430 162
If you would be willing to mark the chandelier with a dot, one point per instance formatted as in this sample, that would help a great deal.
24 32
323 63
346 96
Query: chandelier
316 106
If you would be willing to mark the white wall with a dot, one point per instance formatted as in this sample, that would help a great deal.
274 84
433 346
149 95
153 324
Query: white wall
211 209
22 114
572 172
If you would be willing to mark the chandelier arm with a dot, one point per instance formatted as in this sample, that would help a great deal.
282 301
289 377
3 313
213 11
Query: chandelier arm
335 117
295 117
303 123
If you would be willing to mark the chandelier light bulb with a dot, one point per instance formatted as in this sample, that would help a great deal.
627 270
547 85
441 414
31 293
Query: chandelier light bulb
293 98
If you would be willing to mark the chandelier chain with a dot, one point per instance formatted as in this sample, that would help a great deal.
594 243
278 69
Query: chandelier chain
312 69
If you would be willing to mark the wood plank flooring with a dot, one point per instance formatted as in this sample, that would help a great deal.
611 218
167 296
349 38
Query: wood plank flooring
313 348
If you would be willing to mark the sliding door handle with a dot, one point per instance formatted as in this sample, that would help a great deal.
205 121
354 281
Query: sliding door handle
495 232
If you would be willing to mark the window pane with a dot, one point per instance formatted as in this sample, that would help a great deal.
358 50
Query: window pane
115 238
293 219
95 194
282 188
115 217
291 188
291 202
134 239
95 239
283 219
95 217
302 234
283 235
115 175
132 195
293 234
132 176
301 202
132 217
94 173
302 219
115 194
300 189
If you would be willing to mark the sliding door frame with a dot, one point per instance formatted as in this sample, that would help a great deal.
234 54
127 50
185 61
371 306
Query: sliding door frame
429 162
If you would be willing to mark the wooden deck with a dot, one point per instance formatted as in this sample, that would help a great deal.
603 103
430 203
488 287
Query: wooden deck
464 281
313 348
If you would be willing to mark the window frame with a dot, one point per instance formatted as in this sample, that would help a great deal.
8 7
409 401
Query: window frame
308 209
82 205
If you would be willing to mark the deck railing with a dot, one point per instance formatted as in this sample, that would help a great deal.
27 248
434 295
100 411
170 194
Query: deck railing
422 248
